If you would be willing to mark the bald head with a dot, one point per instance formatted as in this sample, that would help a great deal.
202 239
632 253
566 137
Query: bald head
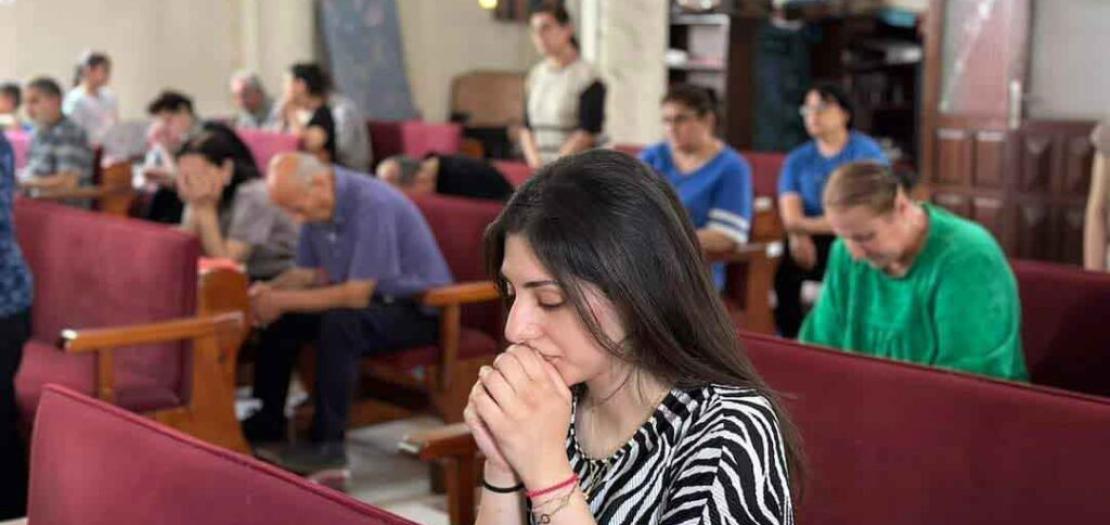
301 185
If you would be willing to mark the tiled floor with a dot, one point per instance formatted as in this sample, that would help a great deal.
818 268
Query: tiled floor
384 477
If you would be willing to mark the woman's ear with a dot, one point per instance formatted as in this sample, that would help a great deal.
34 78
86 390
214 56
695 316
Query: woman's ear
227 169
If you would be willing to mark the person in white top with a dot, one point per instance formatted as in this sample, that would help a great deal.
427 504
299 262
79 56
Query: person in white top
1096 230
90 103
565 108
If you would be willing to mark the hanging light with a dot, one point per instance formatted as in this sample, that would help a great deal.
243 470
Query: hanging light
487 4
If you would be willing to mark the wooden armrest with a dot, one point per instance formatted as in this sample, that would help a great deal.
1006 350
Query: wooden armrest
85 192
190 328
461 293
742 253
446 441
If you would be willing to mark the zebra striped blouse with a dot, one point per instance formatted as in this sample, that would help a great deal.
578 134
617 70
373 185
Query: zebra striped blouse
706 456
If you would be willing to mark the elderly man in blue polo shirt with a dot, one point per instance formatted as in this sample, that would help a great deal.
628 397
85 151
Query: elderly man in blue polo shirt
364 253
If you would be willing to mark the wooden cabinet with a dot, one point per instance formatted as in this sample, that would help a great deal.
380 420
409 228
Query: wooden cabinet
1028 187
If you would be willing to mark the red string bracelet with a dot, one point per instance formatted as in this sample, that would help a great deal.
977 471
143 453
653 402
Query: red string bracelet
533 494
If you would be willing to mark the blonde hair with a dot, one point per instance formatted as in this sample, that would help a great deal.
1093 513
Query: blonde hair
866 183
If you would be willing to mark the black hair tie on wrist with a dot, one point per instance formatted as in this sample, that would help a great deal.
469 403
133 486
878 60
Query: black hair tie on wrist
503 490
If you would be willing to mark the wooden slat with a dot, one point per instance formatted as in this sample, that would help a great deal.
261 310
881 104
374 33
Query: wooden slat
446 441
166 331
461 293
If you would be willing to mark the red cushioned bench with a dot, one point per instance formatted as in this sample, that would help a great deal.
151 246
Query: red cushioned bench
95 464
264 145
1065 326
891 442
415 138
105 282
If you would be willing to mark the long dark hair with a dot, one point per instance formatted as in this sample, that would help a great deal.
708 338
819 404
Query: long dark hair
605 219
217 145
87 62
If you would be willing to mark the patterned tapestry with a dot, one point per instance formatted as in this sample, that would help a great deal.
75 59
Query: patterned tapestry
362 48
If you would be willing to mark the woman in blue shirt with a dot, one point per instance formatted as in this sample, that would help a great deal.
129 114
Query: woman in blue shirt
827 112
713 181
15 329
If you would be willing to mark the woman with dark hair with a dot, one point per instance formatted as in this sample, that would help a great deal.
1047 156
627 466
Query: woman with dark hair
90 103
828 113
625 396
306 112
228 208
565 106
712 180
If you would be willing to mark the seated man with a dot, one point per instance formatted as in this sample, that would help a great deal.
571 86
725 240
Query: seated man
913 282
364 254
256 108
456 175
59 156
10 98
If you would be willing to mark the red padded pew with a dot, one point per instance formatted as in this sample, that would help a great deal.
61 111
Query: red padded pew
1065 326
92 271
413 137
19 141
891 442
125 292
264 145
95 464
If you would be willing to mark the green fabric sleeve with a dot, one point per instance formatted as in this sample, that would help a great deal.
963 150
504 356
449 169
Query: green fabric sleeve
823 326
976 315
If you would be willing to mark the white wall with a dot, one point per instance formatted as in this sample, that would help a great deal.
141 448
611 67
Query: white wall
276 34
192 46
631 38
1071 43
443 38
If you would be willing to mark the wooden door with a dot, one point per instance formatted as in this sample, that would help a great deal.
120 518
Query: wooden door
1025 180
976 60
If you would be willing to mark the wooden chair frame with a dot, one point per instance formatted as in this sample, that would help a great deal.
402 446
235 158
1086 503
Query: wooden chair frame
216 334
112 194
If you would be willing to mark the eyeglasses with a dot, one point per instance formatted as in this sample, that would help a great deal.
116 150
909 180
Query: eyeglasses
807 110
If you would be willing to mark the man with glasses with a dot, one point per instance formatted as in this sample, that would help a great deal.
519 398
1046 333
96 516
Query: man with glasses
827 113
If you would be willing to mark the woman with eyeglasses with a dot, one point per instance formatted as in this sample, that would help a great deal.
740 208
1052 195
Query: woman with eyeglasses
712 180
827 112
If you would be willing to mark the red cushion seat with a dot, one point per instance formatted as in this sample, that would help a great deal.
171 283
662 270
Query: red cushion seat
95 464
892 442
91 271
